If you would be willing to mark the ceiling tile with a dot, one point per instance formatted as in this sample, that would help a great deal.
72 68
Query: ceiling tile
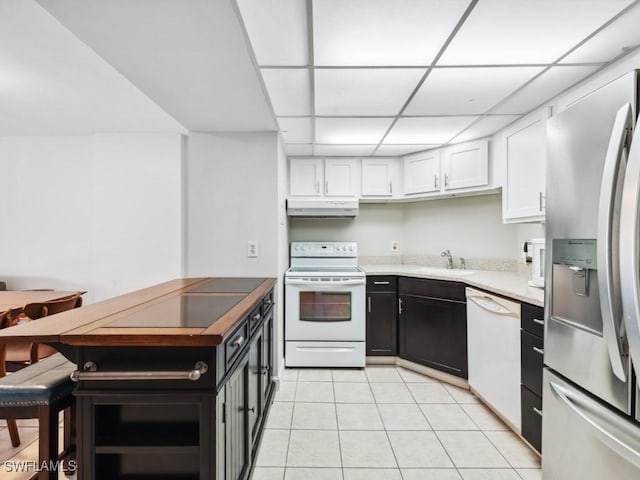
395 150
544 88
454 91
426 130
273 44
351 131
295 130
358 91
343 150
299 149
382 32
517 32
614 40
289 90
485 126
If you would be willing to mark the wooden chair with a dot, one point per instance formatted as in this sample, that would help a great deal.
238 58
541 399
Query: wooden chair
15 356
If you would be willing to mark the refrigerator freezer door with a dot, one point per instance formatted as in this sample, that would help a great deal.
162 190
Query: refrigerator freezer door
583 439
578 141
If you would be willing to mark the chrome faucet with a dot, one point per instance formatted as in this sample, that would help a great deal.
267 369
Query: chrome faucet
463 264
447 254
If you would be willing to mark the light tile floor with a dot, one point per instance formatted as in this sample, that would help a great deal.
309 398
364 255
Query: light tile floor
385 423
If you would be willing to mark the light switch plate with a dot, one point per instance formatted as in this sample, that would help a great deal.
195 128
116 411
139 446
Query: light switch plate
252 248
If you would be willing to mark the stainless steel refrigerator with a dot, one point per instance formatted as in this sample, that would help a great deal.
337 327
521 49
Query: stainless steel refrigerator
591 407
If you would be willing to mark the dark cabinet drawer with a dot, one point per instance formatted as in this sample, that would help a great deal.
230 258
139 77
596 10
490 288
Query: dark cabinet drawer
532 418
432 288
267 303
533 319
380 283
236 344
531 361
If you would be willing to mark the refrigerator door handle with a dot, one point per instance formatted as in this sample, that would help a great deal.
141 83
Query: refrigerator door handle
629 238
607 246
607 427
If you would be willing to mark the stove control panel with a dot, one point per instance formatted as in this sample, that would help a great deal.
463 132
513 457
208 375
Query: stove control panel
324 249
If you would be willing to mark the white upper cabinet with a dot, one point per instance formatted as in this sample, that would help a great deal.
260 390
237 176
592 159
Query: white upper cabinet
466 165
314 177
526 159
422 172
377 177
305 177
340 177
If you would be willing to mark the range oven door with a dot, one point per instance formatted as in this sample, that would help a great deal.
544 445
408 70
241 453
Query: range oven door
325 309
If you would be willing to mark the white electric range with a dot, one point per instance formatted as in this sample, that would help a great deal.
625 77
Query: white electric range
324 306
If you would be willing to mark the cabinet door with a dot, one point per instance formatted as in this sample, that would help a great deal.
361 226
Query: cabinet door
255 374
422 173
466 165
526 160
382 323
339 177
267 360
377 177
236 428
434 333
305 177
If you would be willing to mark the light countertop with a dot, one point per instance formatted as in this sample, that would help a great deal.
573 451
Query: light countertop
509 284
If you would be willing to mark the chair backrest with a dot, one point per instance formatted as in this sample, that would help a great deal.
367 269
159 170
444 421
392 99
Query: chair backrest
5 319
43 309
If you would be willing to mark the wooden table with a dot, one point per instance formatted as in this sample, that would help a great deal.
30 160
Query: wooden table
19 298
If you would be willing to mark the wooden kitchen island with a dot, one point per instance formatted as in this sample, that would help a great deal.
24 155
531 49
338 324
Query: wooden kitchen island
174 381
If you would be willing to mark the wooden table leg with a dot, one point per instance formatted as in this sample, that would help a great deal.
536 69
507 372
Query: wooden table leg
48 442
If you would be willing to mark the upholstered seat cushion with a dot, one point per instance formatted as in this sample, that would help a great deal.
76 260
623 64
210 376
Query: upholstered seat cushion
38 384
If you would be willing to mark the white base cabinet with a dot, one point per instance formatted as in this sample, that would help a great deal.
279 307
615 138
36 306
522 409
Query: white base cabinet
493 336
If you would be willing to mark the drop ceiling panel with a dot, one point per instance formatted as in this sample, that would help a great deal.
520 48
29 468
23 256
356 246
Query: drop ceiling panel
485 126
619 37
300 149
382 32
295 130
277 30
426 130
519 32
544 88
364 91
351 131
343 150
289 90
452 91
396 150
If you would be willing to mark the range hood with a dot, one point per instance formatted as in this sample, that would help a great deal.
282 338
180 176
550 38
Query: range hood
303 207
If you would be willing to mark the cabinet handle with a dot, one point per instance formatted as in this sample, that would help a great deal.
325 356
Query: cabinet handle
400 306
435 181
369 304
252 409
238 342
538 321
446 180
390 187
538 411
538 350
540 200
257 317
91 373
382 283
317 186
326 186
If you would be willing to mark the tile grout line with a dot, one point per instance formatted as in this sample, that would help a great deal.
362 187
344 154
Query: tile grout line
384 426
335 411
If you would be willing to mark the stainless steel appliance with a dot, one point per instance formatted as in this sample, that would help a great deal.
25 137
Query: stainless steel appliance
591 416
324 306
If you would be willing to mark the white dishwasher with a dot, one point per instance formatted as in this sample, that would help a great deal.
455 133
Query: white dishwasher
493 338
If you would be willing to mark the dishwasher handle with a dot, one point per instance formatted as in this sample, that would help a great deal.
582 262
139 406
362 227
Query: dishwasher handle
492 304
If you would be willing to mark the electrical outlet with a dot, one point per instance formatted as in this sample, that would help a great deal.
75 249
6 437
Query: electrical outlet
252 248
395 246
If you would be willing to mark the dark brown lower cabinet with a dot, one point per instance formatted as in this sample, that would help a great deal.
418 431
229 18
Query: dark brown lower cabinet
531 364
532 417
382 315
236 422
433 324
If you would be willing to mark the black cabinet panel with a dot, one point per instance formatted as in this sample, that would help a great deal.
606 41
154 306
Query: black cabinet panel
382 283
382 323
532 418
236 431
533 319
255 391
531 361
434 333
432 288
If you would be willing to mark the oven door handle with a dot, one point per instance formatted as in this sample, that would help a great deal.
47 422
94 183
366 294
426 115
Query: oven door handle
318 283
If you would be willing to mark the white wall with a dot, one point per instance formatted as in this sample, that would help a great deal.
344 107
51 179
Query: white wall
232 197
98 213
